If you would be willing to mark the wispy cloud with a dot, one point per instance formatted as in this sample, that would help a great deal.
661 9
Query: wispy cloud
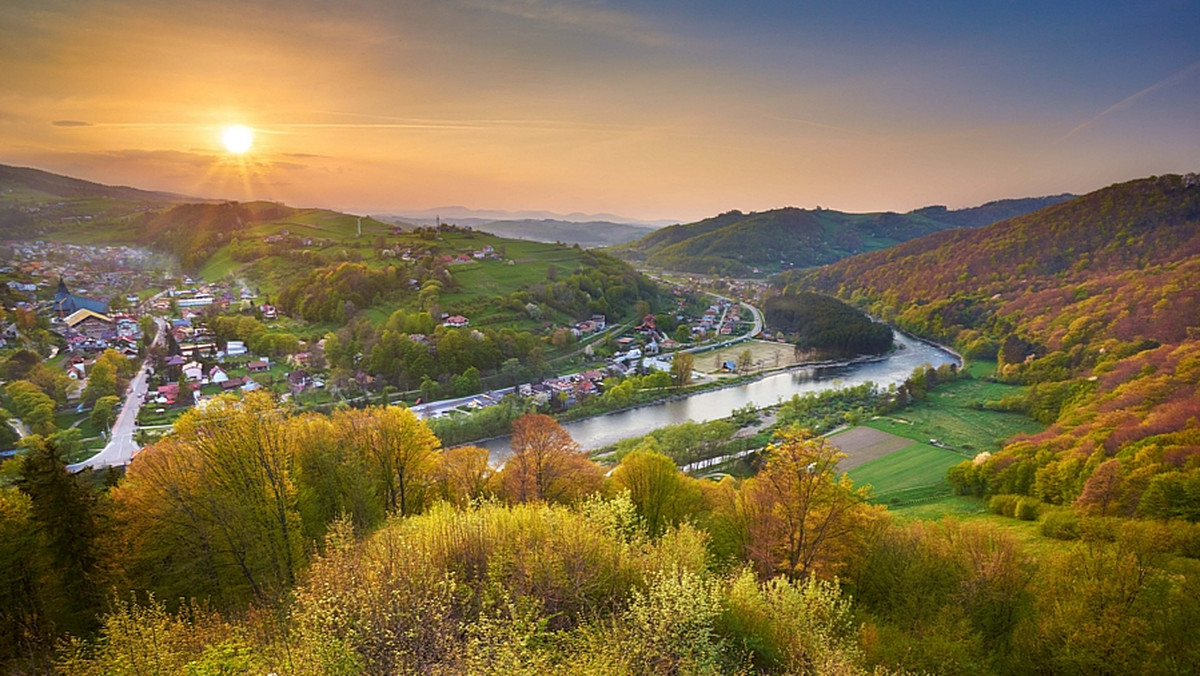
1130 100
71 123
577 16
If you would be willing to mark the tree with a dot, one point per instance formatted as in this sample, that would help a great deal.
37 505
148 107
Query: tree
681 369
398 451
464 474
1102 488
745 361
65 514
683 333
798 514
211 510
546 464
101 382
104 412
662 495
32 406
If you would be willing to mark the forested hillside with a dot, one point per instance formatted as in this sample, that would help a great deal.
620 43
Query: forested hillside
1093 302
826 325
735 243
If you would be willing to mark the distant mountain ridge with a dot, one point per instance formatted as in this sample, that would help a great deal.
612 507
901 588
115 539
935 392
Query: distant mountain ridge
461 215
737 243
65 186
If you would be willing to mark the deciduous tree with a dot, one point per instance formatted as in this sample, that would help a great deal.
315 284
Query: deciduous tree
546 463
798 513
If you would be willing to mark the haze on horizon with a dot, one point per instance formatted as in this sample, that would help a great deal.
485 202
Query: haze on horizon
679 110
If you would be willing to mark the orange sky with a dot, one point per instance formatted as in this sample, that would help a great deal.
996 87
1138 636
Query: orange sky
680 113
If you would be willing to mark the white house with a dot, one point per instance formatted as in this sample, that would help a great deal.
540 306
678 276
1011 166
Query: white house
193 371
235 348
217 375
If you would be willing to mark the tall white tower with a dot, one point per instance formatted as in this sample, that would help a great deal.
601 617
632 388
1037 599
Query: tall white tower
360 226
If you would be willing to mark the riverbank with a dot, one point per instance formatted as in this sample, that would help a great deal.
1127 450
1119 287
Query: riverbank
720 398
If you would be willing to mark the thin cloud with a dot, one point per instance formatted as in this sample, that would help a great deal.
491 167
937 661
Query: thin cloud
71 123
574 16
1126 102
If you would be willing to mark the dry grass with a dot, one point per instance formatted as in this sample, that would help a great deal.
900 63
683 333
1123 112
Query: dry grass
766 355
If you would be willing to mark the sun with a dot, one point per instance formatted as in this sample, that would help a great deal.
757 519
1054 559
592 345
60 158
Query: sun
237 139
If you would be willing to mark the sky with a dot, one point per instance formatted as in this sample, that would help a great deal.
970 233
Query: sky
674 109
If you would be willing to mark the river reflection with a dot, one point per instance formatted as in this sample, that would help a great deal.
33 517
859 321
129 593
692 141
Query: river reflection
609 429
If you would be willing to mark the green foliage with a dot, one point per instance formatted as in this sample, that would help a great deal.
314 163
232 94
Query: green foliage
826 324
1027 509
1061 524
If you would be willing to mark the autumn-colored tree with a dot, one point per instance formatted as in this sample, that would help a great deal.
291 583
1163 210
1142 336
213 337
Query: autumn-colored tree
799 515
464 474
211 510
546 463
662 495
1102 488
398 451
681 369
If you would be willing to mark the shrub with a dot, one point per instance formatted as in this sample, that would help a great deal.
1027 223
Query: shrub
1027 509
1004 505
1061 524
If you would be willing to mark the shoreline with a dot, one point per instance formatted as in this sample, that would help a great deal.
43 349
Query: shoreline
753 378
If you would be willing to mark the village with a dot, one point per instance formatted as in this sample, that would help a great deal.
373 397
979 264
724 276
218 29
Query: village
75 304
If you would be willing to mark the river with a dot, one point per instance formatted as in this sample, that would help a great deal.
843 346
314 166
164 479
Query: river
608 429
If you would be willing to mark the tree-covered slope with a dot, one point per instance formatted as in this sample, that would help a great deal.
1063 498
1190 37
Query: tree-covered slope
737 243
1094 303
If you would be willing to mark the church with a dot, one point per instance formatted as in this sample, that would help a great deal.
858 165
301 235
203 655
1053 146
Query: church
66 303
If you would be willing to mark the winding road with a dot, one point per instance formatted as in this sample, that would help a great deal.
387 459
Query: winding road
121 447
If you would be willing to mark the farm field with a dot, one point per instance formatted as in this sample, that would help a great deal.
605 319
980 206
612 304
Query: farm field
864 444
769 353
913 473
949 416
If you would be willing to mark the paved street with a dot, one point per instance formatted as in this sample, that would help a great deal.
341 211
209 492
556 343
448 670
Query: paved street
121 446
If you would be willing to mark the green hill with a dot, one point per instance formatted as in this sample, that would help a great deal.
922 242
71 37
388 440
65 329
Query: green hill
1094 304
735 243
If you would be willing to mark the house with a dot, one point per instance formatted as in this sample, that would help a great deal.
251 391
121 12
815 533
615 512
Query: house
235 348
268 311
457 321
76 369
298 381
258 366
599 321
193 371
89 323
217 375
230 384
299 359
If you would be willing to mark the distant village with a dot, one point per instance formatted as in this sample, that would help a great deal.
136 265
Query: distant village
95 299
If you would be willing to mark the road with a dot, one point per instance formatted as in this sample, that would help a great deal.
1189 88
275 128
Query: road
121 447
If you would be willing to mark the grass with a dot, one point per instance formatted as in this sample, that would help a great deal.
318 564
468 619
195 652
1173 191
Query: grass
771 355
948 415
219 266
913 473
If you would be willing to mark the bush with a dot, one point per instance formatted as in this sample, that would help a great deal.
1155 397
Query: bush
1028 508
1004 505
1061 524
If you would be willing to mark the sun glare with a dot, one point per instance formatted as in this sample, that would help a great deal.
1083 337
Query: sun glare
237 139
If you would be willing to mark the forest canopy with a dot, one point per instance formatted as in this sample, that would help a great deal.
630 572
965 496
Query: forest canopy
826 324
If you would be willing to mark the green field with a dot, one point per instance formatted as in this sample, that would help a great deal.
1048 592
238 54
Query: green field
913 473
949 416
